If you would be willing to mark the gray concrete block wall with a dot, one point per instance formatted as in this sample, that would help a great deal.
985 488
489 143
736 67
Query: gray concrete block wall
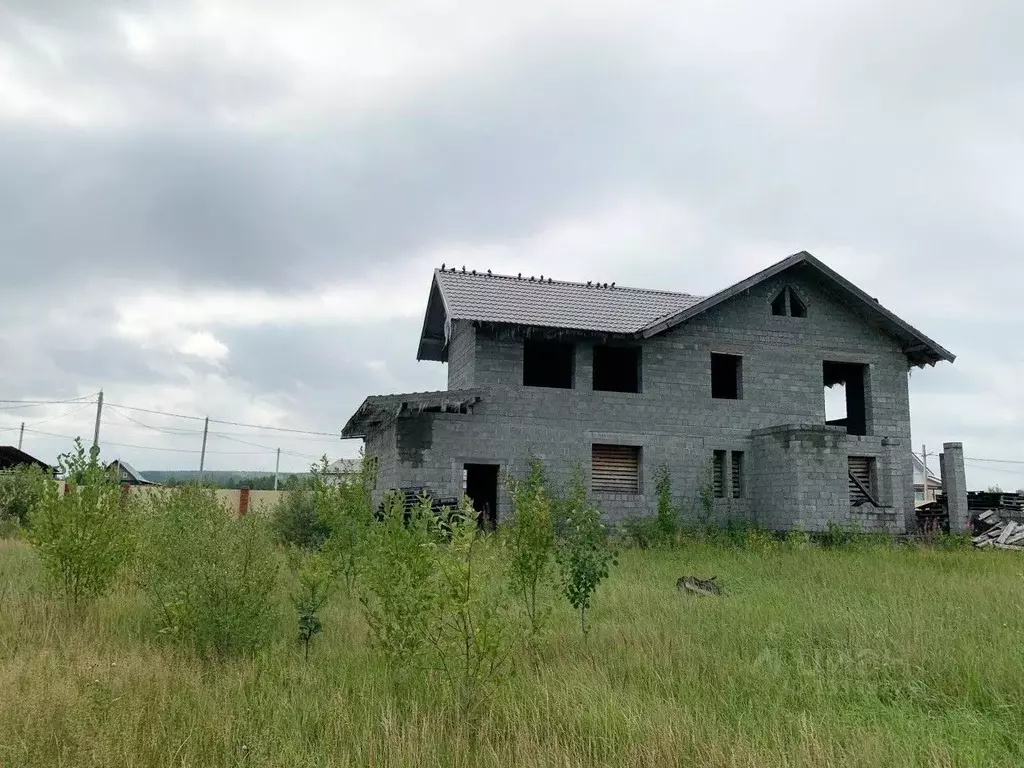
674 415
461 355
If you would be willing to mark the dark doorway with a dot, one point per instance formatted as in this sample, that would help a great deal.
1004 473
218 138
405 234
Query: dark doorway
482 489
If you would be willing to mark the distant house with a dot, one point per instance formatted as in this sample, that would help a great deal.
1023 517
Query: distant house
924 495
11 457
127 474
343 471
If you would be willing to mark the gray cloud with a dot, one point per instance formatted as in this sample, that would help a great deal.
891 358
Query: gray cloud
886 137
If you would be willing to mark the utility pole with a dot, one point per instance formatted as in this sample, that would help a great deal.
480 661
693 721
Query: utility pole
924 469
277 467
202 456
21 435
96 431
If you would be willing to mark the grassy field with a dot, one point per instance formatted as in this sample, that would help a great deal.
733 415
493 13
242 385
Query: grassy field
814 658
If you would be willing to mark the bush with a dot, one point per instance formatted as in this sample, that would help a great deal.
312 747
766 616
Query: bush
642 532
21 489
837 535
84 536
668 516
295 520
399 583
210 577
345 510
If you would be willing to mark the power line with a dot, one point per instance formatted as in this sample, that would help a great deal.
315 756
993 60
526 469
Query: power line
155 447
263 427
164 430
22 404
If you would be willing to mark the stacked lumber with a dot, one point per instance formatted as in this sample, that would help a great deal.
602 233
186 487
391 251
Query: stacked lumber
1000 534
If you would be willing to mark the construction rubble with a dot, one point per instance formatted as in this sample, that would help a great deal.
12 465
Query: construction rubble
998 533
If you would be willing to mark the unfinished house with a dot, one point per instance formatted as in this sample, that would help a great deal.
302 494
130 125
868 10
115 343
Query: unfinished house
783 397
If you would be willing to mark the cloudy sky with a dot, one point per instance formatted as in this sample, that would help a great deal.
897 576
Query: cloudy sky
232 207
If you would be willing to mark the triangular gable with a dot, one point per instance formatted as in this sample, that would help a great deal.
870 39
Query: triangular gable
920 350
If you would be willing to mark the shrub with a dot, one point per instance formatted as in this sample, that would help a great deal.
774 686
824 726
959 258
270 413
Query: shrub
530 536
836 535
642 532
398 588
469 629
295 520
210 577
21 489
345 510
315 586
668 515
84 536
583 554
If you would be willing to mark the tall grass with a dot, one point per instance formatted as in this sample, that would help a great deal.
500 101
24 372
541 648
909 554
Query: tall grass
815 657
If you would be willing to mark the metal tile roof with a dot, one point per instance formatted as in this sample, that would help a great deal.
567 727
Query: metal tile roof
555 304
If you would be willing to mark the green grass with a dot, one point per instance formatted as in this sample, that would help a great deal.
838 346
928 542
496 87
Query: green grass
814 658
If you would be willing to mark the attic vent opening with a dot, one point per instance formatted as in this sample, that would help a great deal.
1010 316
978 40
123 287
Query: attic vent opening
788 304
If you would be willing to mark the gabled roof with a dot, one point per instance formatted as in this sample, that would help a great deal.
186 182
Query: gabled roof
630 312
131 474
547 303
11 457
919 348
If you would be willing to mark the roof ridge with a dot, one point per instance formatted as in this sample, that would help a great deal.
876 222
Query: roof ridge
537 281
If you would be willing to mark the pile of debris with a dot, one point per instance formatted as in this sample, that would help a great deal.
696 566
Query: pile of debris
998 533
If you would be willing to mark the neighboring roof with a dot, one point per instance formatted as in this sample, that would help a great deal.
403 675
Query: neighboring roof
919 348
933 479
546 303
11 457
345 466
378 410
524 301
130 472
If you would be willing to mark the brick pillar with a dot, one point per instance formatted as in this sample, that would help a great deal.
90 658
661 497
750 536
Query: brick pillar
954 483
243 502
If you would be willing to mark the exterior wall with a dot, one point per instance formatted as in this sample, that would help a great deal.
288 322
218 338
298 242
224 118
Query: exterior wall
461 355
674 419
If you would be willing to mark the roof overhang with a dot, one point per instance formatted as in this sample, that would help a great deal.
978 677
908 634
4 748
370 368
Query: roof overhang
436 326
379 411
919 349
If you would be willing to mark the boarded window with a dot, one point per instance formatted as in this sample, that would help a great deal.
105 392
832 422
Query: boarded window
862 469
547 364
726 376
615 468
737 475
616 369
718 474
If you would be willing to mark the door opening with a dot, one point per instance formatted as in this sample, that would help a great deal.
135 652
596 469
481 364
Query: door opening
482 489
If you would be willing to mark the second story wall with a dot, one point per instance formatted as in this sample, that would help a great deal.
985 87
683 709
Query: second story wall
781 370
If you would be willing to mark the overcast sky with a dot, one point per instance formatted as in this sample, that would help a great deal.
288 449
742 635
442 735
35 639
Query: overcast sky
233 207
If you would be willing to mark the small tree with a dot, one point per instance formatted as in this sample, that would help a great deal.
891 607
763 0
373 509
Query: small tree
668 515
210 577
344 507
583 553
84 535
469 629
295 521
315 583
399 581
531 539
